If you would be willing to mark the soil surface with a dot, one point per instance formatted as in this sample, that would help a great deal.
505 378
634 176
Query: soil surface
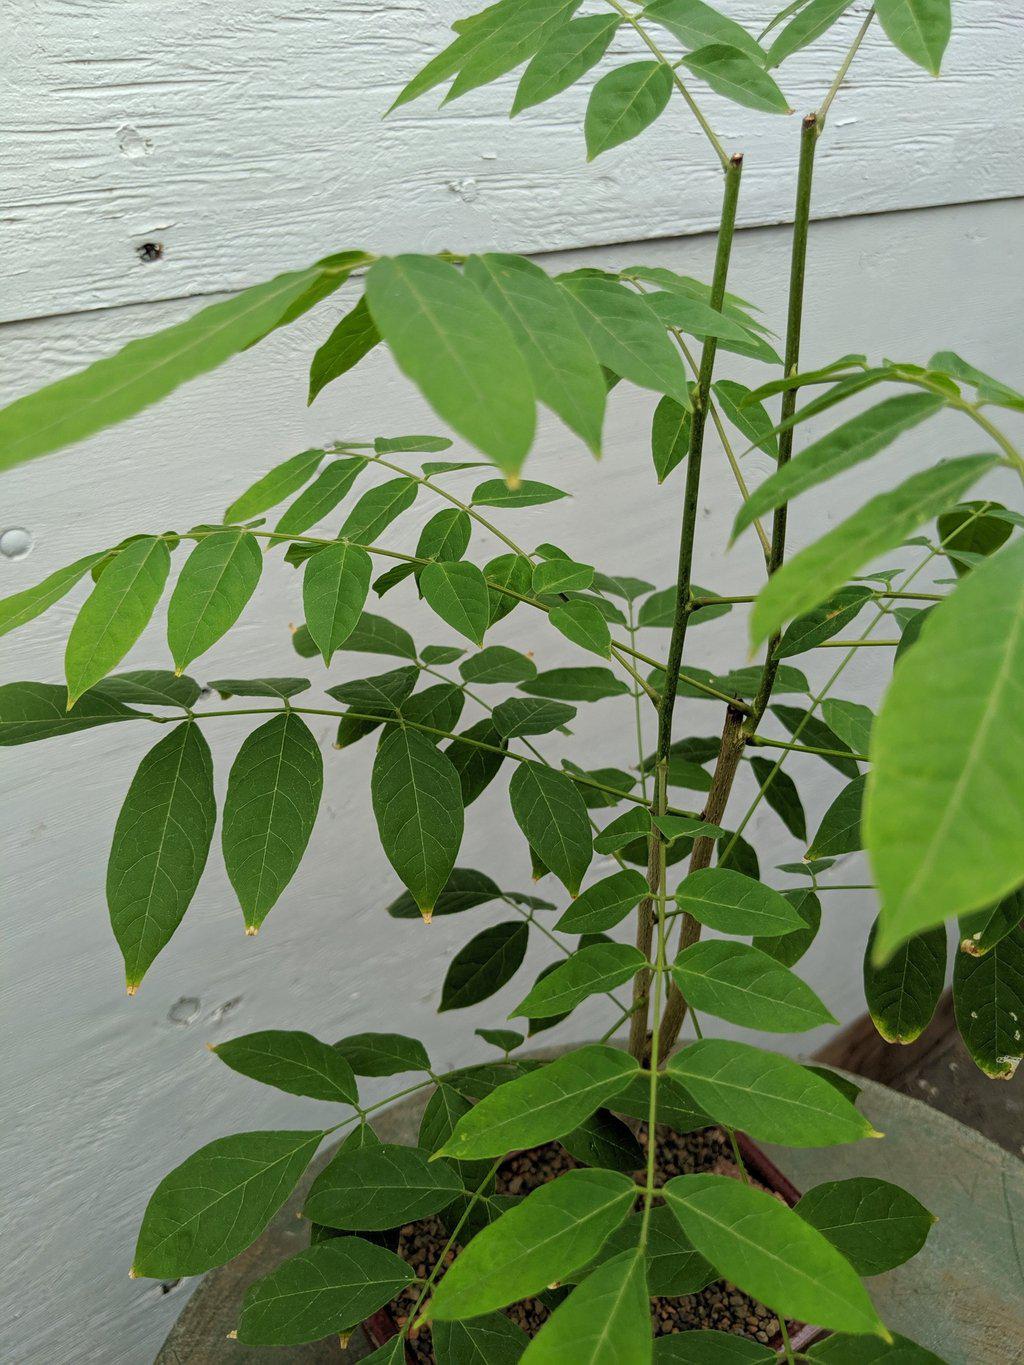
719 1306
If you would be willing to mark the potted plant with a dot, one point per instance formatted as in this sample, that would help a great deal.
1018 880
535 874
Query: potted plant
576 1190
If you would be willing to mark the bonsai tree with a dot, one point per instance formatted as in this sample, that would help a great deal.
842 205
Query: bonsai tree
935 781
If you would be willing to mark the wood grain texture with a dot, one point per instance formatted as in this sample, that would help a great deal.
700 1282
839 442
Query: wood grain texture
242 140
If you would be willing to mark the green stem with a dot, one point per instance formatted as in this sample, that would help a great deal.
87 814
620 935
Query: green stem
794 326
415 1320
761 740
645 911
659 976
833 90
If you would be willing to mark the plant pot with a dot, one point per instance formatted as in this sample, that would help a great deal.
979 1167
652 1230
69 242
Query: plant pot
382 1326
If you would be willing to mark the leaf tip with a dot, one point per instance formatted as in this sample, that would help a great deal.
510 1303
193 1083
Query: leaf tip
131 988
133 1274
427 914
874 1133
232 1335
251 930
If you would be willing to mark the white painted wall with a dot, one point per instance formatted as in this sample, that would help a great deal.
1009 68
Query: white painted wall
105 1094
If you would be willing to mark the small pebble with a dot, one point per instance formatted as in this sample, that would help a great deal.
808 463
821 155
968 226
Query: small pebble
719 1307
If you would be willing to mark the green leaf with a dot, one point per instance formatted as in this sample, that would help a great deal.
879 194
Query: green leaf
965 529
147 370
25 606
115 613
439 706
441 654
670 436
736 982
919 28
625 102
769 1251
583 624
382 695
380 1187
377 635
839 831
989 390
839 1349
824 621
507 571
745 412
274 486
590 971
377 509
497 664
505 1038
487 962
218 1201
272 799
464 890
810 23
551 813
355 336
982 930
32 710
334 588
417 803
632 824
696 24
151 687
530 716
445 536
320 499
710 1348
815 733
161 843
782 795
382 1054
766 1095
553 1231
675 1106
560 360
603 1140
695 316
503 36
216 582
902 993
881 524
875 1225
687 827
387 445
458 593
477 767
988 995
458 351
321 1292
564 57
850 721
544 1104
561 575
790 948
575 684
673 1267
604 904
606 1318
524 493
492 1339
292 1061
627 335
947 737
731 903
738 77
845 447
